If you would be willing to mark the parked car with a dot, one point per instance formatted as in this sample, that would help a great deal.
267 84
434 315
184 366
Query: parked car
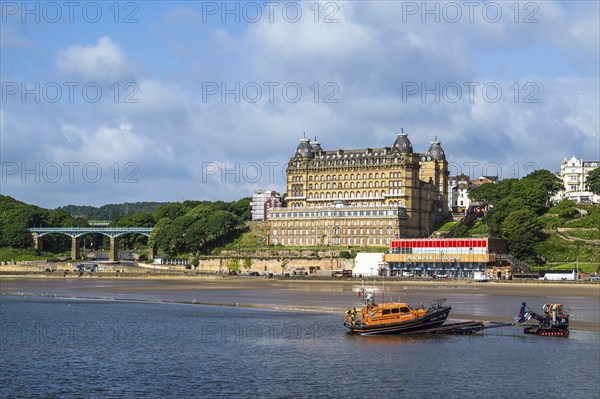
254 273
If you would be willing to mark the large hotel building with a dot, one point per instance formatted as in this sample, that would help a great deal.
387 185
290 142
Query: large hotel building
364 197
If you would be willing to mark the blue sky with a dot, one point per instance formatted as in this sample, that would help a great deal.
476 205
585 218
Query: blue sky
160 100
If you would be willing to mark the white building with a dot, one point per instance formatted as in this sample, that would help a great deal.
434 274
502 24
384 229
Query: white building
368 264
573 173
458 199
262 200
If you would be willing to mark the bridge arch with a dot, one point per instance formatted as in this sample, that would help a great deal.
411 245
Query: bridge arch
76 232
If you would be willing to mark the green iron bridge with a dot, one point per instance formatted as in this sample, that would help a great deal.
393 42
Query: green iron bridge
76 232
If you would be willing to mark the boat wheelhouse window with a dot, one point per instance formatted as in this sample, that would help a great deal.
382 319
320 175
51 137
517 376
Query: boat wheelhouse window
395 310
386 311
404 309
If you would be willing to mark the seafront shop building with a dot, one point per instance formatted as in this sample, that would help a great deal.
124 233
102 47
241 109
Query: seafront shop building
456 257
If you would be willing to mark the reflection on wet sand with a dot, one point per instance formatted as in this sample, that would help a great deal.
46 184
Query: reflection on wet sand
489 301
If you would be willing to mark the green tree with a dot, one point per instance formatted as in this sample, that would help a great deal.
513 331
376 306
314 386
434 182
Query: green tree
169 210
202 211
461 232
565 209
160 236
551 183
202 226
79 221
220 224
15 218
593 181
496 215
196 237
241 208
140 219
483 194
533 194
522 230
60 242
233 265
59 218
491 193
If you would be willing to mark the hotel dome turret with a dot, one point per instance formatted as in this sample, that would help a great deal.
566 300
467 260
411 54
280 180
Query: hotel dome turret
305 149
403 144
436 151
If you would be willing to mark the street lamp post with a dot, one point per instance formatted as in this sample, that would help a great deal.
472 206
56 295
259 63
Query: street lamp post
577 261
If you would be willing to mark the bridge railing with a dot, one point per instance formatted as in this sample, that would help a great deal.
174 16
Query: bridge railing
79 231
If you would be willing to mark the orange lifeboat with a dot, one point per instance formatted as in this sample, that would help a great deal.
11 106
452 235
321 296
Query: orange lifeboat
395 317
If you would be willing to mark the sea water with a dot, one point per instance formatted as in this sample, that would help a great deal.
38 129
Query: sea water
57 348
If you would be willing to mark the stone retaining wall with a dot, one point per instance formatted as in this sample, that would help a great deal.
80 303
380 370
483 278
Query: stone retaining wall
261 265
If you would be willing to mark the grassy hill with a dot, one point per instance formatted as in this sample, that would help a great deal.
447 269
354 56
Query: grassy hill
109 211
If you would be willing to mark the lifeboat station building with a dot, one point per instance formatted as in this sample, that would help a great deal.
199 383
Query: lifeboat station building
455 257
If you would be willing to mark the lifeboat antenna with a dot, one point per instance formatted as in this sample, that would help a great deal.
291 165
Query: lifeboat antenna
382 288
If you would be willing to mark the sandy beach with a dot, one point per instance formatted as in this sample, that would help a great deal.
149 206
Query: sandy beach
235 282
490 301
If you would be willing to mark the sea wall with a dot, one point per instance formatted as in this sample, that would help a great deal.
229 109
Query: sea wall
277 266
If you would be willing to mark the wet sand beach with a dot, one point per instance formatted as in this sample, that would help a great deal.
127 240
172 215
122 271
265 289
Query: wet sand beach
490 301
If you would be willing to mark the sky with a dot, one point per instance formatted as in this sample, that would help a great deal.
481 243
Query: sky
110 102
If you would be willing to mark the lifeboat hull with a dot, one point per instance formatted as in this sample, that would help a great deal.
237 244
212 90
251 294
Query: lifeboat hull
433 318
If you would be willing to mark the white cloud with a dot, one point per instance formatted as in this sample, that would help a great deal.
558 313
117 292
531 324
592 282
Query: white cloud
171 132
103 61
